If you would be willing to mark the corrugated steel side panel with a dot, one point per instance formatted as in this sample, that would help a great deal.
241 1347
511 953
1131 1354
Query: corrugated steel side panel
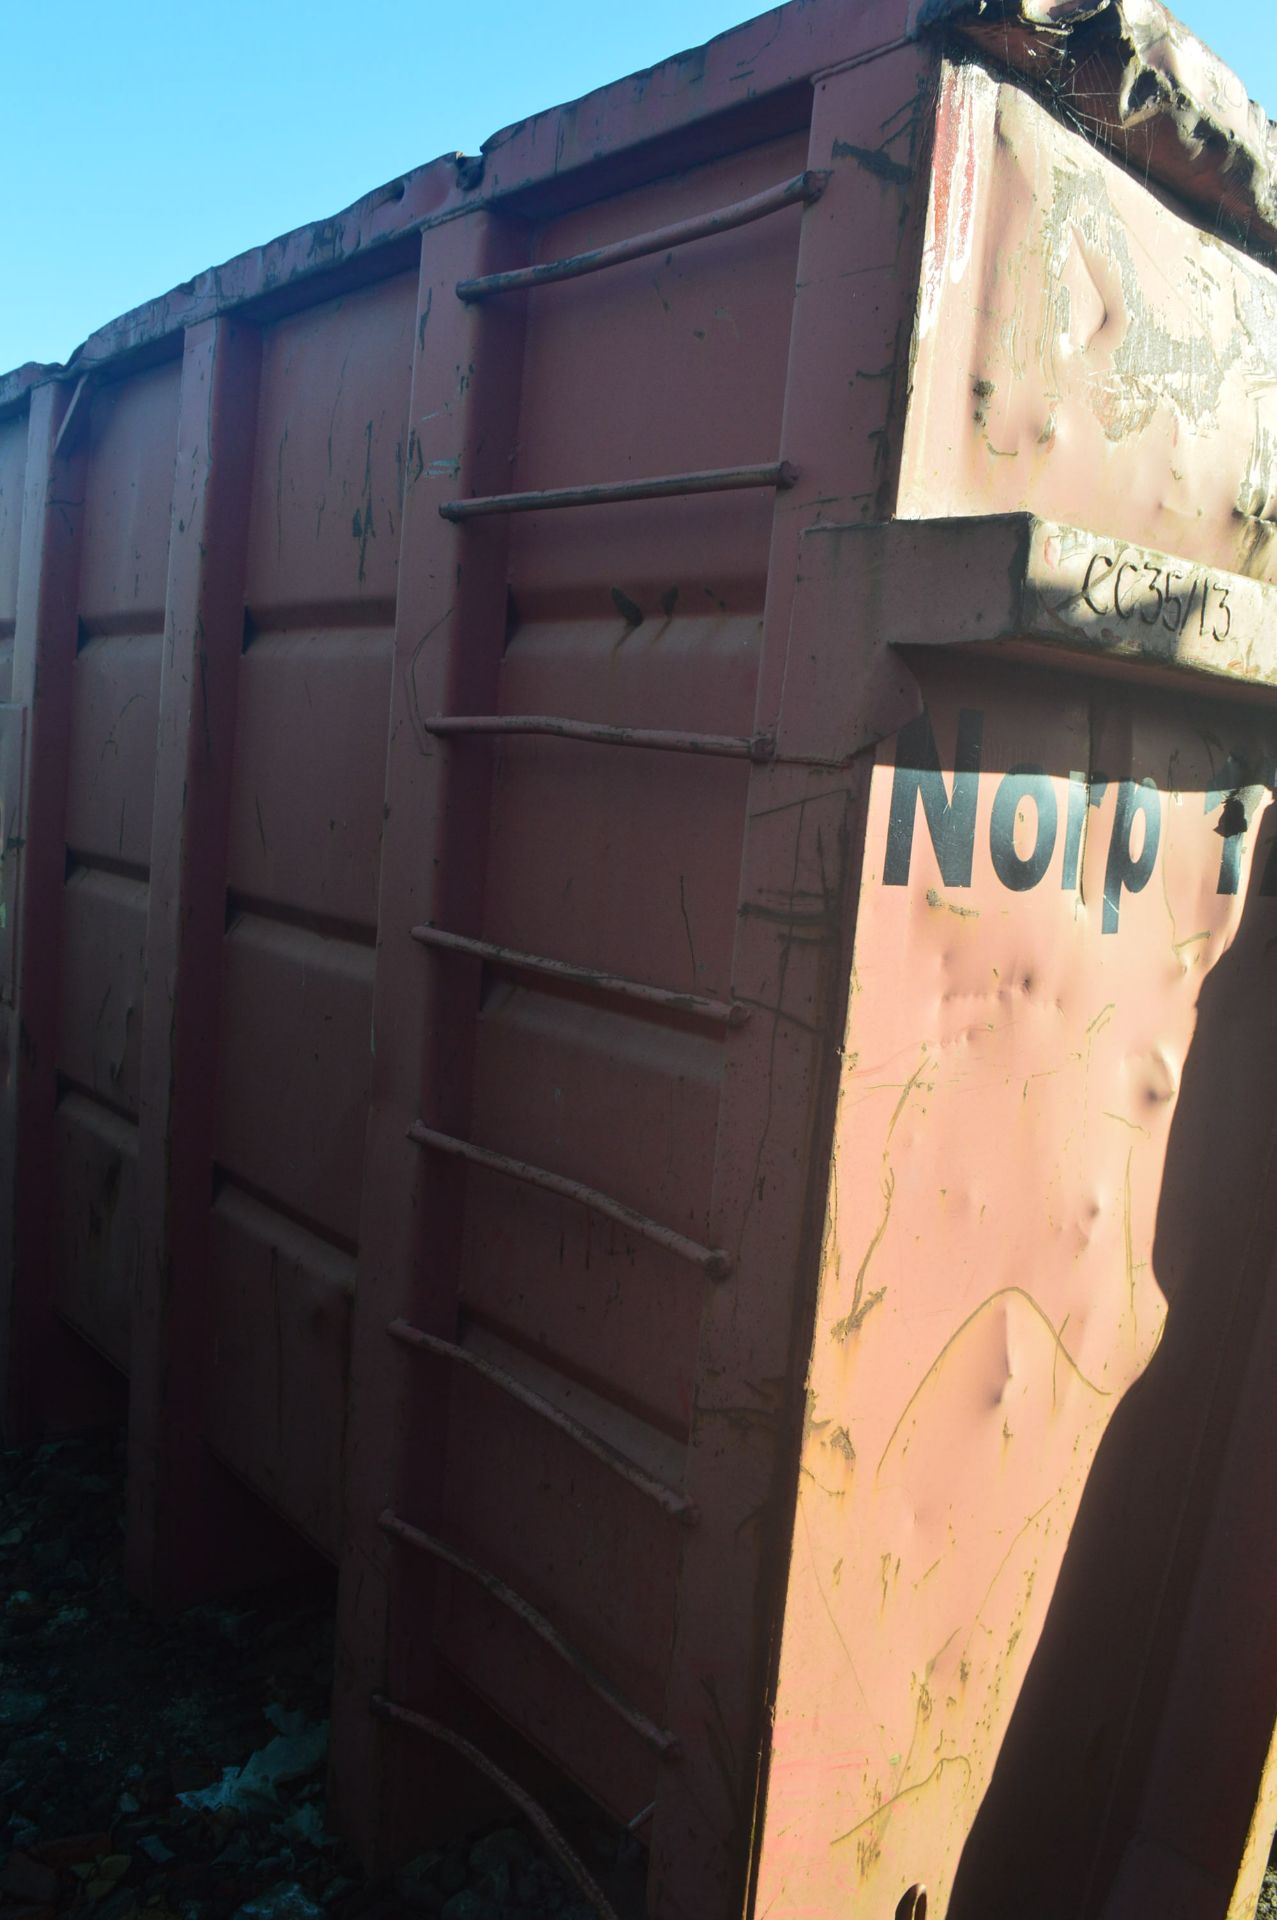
686 873
306 798
304 790
647 615
130 438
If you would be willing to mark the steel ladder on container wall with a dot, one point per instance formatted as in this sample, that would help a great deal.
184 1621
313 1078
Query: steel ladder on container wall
714 1262
451 725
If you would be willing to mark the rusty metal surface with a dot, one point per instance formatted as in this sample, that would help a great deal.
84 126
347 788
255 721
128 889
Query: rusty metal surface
1128 73
1083 347
603 493
758 747
13 461
601 1314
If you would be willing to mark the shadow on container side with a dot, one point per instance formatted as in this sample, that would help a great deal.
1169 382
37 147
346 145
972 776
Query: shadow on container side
1135 1758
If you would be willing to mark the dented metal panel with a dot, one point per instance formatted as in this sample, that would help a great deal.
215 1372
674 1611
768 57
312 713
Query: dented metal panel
1066 318
1128 73
1054 867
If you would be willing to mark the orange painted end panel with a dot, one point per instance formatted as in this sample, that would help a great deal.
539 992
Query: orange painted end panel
1142 1730
996 1263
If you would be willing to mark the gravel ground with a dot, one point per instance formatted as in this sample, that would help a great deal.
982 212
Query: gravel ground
174 1770
1267 1908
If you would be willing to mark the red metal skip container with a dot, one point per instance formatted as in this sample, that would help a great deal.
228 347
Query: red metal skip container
636 943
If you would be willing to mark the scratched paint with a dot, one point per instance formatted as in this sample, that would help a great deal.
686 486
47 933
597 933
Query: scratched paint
1019 1025
1129 73
1052 871
1066 314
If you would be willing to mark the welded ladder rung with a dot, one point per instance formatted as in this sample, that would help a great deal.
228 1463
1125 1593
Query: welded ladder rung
804 188
661 486
757 747
660 1738
668 1498
532 1810
699 1006
715 1262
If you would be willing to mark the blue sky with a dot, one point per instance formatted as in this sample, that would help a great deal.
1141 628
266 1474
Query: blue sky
145 141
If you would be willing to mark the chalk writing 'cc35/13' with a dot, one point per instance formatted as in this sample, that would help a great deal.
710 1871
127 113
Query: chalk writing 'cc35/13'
1157 596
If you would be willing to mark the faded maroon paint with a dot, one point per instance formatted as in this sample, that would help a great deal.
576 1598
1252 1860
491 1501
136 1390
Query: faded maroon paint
49 1377
478 1064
